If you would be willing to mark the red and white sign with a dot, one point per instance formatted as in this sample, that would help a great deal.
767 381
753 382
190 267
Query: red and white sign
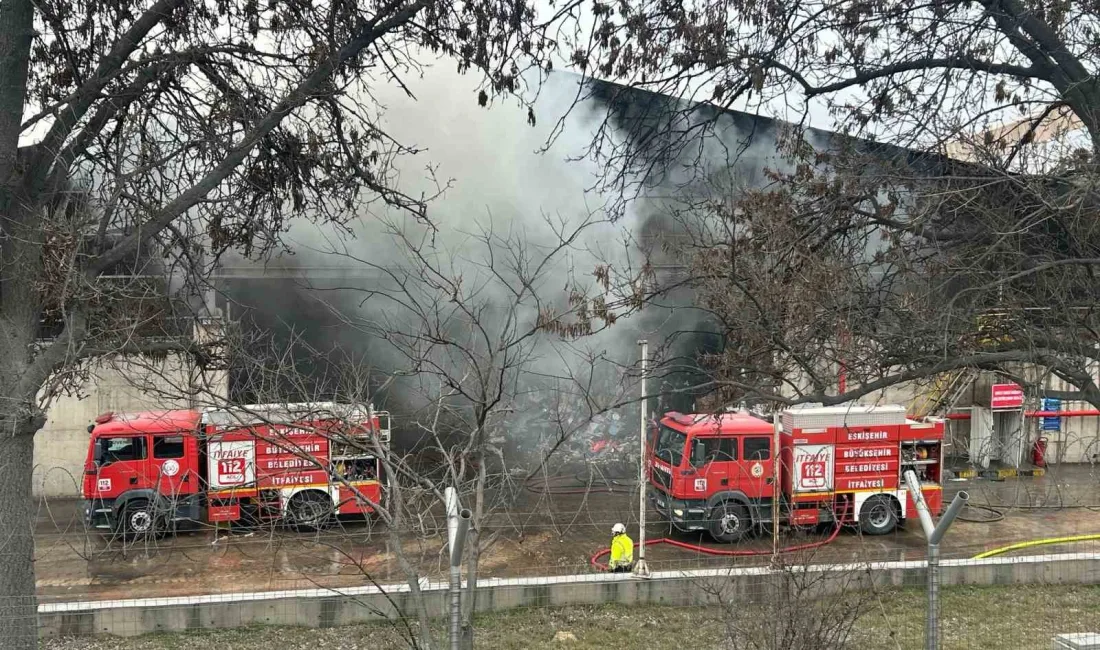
868 467
270 463
1006 397
231 463
865 435
866 483
868 453
813 468
224 513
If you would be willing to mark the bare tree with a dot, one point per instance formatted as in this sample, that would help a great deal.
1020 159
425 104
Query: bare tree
478 323
964 240
193 126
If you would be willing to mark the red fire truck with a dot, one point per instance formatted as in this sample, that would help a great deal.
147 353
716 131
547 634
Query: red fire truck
720 473
304 464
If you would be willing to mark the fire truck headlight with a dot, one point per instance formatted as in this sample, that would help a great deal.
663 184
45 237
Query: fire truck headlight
678 512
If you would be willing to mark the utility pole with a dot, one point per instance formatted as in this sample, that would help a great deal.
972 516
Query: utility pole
934 533
776 491
640 568
458 523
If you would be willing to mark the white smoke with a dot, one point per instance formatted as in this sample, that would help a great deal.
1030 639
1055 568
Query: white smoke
500 174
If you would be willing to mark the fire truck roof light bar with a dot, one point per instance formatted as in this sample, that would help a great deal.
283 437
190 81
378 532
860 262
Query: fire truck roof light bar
260 413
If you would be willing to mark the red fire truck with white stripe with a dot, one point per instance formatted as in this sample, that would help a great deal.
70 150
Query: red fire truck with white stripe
727 473
304 464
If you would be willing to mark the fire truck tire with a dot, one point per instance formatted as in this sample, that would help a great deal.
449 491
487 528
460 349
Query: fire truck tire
879 516
730 522
138 520
310 510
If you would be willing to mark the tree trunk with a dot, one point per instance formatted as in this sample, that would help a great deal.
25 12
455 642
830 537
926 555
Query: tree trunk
394 525
473 542
16 33
425 642
18 607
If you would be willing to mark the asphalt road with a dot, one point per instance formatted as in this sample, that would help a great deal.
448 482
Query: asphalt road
540 535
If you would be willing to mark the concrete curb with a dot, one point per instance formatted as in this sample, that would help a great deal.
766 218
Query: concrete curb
332 607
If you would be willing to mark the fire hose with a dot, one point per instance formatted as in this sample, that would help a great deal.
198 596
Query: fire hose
994 516
1036 542
596 563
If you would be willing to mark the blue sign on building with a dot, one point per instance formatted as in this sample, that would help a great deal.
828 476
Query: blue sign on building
1054 423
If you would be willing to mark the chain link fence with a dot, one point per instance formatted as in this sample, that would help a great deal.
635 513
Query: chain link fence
538 587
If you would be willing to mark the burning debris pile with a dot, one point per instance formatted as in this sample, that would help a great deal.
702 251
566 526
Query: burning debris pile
564 433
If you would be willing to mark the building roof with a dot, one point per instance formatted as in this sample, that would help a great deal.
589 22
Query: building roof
148 422
739 422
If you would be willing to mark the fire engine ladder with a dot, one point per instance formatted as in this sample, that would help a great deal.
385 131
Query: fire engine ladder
946 391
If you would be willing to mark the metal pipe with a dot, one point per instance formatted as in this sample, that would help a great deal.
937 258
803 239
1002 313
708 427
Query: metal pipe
932 619
913 483
459 544
458 524
775 492
949 516
456 607
640 567
934 533
450 503
932 622
1085 413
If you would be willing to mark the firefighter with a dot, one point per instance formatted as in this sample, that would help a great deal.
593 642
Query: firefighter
622 550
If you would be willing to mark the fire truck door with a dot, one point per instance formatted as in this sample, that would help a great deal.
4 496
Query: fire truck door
120 465
175 464
711 459
755 467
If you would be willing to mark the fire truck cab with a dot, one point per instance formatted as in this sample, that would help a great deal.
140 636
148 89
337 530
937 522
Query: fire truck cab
726 473
156 471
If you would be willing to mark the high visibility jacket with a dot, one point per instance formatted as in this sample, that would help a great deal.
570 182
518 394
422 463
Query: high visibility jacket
622 551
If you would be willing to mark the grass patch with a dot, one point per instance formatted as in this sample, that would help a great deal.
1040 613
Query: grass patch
997 618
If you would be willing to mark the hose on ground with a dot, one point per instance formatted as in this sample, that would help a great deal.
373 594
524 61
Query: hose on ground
597 564
1036 542
995 514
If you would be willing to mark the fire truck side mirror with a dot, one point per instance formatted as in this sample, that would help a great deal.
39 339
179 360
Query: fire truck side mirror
97 453
698 454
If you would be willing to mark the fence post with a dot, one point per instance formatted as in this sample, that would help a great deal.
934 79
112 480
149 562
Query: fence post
934 533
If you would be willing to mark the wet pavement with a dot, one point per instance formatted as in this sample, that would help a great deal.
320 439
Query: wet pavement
539 535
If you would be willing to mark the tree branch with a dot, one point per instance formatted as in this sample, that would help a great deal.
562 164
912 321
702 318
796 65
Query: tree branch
294 99
72 113
948 63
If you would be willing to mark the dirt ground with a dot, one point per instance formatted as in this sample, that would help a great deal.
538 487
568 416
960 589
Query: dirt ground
973 618
540 535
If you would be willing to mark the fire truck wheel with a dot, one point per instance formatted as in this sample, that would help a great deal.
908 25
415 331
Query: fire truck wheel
879 516
310 510
730 522
138 520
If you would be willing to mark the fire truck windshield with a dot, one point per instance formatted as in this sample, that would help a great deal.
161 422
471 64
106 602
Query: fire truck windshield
670 446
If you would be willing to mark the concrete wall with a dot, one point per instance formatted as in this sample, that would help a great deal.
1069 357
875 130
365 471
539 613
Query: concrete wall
325 608
114 384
